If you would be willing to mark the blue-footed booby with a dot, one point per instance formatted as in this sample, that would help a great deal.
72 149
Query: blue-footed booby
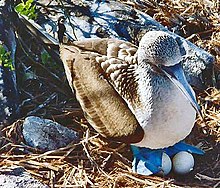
138 95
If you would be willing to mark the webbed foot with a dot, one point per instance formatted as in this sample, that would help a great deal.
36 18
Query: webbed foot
146 161
182 146
152 161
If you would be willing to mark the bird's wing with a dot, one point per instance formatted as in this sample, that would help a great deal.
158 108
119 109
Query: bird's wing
119 65
98 91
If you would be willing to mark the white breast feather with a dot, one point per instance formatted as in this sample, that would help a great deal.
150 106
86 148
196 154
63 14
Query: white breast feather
166 116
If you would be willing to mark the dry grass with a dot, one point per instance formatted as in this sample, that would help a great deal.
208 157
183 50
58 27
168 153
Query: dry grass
96 162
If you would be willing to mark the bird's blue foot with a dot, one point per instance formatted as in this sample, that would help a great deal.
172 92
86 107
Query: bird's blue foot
149 161
146 161
182 146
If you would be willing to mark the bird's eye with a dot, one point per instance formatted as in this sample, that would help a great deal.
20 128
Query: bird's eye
167 70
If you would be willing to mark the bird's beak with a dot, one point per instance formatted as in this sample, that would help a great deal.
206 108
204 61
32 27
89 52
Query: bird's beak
176 75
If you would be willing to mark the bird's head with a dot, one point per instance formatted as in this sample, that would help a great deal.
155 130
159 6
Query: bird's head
159 48
161 51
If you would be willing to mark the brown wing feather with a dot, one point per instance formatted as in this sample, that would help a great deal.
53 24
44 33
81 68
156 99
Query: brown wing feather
120 64
105 110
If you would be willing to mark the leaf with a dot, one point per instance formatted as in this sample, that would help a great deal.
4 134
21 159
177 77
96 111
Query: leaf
5 59
2 49
19 7
45 57
27 9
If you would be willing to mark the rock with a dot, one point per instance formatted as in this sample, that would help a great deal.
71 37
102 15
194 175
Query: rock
18 178
46 134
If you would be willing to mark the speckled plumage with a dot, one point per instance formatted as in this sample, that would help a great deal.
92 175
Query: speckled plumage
125 94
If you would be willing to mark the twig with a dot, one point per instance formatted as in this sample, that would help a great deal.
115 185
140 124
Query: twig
44 104
201 176
56 80
216 185
90 158
65 12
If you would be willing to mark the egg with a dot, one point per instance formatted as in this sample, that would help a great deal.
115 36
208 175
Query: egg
183 162
166 165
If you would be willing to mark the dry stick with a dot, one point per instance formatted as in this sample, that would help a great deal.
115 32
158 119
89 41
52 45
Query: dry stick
8 162
50 152
22 145
68 152
138 179
44 104
92 160
201 176
45 165
216 185
84 142
66 186
26 162
87 179
152 178
5 146
52 178
76 112
35 174
37 156
68 175
69 148
73 27
12 146
163 184
56 79
115 152
24 47
34 164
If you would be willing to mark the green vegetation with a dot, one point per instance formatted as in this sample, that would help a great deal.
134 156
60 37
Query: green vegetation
27 8
45 58
48 61
5 59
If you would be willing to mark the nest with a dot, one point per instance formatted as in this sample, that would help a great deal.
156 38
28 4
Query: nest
95 161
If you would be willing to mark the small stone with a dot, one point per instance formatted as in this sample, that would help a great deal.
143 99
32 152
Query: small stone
46 134
17 177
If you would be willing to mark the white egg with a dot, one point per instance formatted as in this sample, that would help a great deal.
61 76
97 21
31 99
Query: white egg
183 162
166 165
